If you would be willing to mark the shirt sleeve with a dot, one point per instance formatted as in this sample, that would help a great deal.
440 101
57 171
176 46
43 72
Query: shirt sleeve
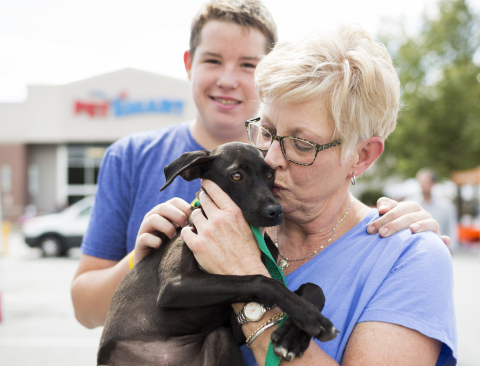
106 235
417 293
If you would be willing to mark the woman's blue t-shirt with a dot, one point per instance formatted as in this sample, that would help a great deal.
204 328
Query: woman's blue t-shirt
405 279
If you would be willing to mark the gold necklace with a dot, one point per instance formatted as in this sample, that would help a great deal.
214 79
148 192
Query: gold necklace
283 263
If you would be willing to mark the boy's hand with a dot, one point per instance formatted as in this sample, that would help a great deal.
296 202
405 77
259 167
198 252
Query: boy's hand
165 218
397 216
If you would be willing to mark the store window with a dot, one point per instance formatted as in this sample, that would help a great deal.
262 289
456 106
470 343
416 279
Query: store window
84 162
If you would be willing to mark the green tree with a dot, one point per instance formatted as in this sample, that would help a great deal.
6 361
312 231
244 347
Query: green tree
439 124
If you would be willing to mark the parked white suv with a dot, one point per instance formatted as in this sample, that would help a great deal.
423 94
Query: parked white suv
55 234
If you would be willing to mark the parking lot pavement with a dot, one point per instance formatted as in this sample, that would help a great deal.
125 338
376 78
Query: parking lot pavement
39 327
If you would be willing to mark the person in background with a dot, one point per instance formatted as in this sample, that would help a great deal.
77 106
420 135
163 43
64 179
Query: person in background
228 39
442 210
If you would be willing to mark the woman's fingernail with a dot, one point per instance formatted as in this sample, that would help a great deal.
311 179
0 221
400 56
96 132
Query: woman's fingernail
383 231
414 227
371 229
383 206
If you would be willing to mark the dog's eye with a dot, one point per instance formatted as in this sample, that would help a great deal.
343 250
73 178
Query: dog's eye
236 176
269 175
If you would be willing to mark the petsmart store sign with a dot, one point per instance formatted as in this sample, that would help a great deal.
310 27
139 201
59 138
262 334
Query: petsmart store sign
123 106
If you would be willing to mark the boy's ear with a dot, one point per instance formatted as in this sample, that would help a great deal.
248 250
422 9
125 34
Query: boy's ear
190 166
187 60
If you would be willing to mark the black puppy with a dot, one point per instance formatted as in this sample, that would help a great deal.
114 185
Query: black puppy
167 311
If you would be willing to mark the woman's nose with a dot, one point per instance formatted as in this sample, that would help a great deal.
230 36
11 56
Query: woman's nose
228 79
274 156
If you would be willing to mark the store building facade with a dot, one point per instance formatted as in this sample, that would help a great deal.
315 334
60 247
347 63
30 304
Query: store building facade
51 146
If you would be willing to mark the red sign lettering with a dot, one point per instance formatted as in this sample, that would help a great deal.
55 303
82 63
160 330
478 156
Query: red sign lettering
92 109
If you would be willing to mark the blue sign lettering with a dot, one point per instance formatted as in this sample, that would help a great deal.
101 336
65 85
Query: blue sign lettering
123 107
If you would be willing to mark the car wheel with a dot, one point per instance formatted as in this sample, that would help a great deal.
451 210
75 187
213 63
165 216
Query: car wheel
51 246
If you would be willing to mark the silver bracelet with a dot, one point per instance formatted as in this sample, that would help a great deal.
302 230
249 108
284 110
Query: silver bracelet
261 330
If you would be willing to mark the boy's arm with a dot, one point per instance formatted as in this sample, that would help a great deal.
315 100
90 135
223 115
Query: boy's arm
93 287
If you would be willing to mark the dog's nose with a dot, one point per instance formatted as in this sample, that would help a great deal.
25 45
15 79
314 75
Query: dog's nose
273 211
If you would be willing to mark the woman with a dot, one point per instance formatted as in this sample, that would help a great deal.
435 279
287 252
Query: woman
336 98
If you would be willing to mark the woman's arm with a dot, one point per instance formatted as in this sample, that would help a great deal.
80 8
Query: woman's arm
376 343
371 344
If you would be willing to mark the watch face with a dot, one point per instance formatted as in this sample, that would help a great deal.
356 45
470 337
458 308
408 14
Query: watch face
254 311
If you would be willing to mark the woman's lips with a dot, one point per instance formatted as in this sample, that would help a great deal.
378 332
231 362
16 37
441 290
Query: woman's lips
277 188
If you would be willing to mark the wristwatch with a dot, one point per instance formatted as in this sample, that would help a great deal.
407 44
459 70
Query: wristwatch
252 312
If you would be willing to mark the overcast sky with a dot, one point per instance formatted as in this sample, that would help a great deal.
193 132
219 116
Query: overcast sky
58 42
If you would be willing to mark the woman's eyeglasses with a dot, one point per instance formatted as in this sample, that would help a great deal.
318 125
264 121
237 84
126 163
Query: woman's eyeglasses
295 149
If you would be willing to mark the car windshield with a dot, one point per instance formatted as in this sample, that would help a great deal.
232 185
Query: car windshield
85 211
81 207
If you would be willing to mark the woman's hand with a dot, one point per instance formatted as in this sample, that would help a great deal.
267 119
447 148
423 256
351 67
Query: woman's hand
224 243
397 216
165 218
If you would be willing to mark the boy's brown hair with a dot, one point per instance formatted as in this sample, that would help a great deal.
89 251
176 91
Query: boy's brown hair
246 13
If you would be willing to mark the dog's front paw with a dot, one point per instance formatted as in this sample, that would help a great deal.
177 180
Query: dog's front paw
289 341
310 319
328 333
324 328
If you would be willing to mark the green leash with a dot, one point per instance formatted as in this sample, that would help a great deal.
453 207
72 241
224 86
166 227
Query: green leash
271 265
272 359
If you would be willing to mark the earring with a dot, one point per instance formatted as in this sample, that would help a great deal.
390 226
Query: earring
353 180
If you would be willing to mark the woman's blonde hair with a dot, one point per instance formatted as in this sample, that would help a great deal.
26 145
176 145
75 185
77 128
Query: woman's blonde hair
347 70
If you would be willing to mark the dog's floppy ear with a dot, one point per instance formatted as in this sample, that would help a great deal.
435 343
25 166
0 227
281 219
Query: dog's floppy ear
190 166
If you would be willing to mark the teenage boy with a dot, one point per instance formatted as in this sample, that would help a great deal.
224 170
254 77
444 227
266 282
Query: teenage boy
228 39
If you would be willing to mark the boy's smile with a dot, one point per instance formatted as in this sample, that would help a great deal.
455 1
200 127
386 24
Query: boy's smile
226 101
